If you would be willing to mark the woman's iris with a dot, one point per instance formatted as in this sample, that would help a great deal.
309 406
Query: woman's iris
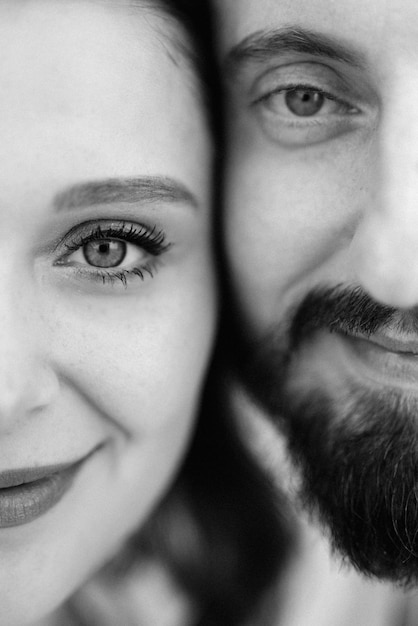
105 253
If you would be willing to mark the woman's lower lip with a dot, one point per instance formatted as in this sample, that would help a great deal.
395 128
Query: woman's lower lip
27 494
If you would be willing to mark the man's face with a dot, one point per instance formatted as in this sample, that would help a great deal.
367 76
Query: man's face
321 222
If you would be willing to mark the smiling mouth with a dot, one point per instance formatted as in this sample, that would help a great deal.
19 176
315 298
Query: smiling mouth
386 359
395 345
26 494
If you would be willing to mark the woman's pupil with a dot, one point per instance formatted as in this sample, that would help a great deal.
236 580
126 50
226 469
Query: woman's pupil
304 103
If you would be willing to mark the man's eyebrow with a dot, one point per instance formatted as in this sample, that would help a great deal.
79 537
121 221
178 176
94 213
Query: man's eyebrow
264 45
143 189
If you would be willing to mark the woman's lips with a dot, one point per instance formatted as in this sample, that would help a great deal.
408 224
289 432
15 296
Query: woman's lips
26 494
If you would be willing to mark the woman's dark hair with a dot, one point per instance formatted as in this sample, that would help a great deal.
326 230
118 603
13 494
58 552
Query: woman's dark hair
195 17
220 530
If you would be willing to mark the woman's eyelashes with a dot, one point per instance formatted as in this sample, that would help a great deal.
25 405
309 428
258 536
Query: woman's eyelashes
302 112
112 251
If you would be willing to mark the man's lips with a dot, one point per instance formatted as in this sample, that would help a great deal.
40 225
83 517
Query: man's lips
387 360
403 345
340 362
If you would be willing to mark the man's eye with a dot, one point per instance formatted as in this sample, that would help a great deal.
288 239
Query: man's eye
305 102
303 115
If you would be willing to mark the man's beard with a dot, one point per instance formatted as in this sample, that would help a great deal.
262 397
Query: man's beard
357 451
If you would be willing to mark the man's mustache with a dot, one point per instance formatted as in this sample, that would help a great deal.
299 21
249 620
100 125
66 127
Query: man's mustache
348 310
264 365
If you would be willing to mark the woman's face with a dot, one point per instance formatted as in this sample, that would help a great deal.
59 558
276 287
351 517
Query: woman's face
107 299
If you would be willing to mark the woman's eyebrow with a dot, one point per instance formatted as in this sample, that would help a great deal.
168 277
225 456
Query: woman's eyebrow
142 190
265 45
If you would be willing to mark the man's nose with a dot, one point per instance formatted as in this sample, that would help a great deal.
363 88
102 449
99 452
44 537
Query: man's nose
385 246
28 383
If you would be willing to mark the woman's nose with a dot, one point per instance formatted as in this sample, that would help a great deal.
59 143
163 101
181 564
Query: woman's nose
28 383
385 246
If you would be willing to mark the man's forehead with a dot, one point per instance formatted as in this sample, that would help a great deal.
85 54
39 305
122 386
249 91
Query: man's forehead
365 26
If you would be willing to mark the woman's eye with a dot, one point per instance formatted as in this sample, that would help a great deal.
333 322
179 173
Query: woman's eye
107 253
112 251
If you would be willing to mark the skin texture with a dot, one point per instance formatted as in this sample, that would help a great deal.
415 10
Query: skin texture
344 207
92 92
319 202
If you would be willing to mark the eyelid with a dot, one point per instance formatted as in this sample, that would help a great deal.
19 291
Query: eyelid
287 129
109 228
314 75
351 104
351 109
150 243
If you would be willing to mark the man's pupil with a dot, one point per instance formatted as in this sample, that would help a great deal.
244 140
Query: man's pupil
304 103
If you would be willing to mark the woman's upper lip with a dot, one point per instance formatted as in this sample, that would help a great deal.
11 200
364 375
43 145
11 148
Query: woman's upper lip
406 345
20 476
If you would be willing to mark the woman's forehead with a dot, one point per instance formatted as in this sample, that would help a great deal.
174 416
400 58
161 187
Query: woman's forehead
111 33
86 84
177 32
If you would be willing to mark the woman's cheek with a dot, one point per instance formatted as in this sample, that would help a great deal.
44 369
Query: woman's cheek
138 360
